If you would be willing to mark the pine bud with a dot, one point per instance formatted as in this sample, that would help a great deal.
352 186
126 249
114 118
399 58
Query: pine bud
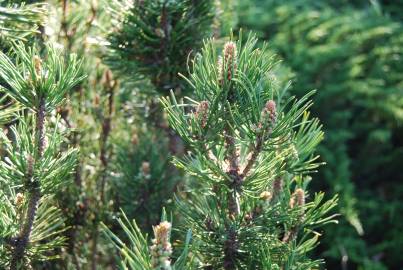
145 168
227 64
230 52
160 33
265 196
298 199
161 249
38 65
135 139
19 198
271 107
202 113
269 114
300 196
292 201
97 101
248 217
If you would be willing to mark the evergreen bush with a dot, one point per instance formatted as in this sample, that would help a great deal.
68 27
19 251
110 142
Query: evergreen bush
354 58
33 167
250 155
183 149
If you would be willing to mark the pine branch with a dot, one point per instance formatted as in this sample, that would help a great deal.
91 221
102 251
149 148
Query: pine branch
137 254
237 124
40 86
34 190
161 34
17 22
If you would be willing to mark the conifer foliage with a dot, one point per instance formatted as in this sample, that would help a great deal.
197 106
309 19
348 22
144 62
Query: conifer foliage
35 166
145 255
156 37
245 148
17 21
150 42
251 152
355 57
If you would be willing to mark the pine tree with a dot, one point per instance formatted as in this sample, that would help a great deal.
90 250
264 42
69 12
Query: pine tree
90 113
251 151
35 165
155 38
147 47
353 56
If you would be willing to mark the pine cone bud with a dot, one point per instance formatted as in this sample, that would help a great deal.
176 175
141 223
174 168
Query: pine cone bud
248 217
269 114
38 66
161 249
227 64
300 196
145 168
271 108
135 139
265 196
19 199
202 113
159 32
97 101
298 199
292 201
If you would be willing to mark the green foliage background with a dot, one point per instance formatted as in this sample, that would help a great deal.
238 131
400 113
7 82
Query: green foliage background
352 52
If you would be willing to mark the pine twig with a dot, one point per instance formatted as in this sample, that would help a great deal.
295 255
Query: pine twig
34 192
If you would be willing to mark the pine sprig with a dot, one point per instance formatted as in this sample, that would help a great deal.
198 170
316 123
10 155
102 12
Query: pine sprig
250 152
140 254
31 79
33 166
154 38
19 21
46 234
